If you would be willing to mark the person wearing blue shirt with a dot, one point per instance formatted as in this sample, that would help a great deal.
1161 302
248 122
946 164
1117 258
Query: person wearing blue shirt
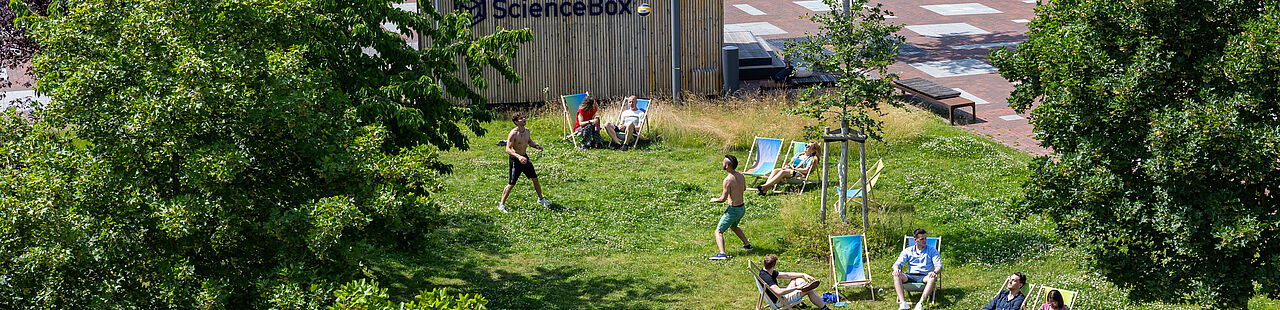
923 265
1012 298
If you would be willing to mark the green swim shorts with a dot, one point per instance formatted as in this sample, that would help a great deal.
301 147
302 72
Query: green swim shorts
731 216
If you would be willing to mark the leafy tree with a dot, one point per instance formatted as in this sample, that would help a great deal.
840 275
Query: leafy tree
858 47
230 154
1164 117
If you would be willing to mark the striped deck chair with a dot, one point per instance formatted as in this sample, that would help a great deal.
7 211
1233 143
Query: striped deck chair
935 242
763 300
643 106
765 152
797 148
571 104
873 175
849 263
1068 297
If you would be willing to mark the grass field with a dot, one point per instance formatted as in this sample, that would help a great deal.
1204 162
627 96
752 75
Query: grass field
632 230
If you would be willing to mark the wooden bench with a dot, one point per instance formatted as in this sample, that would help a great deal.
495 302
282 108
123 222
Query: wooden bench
938 94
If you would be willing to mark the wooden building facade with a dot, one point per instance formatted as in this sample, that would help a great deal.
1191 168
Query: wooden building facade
601 46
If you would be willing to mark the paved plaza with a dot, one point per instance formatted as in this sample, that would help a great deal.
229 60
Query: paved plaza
948 43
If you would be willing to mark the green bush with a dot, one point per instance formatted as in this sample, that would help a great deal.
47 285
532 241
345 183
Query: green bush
367 295
229 155
1164 123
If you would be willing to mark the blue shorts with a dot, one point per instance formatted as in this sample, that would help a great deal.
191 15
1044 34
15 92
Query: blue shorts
916 278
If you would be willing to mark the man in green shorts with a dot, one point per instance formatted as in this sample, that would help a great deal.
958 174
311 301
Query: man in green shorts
734 185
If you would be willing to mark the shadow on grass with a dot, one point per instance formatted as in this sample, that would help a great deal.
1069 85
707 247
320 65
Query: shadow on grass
468 253
947 296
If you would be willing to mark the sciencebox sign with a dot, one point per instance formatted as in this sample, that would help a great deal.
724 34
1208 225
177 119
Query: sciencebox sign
519 9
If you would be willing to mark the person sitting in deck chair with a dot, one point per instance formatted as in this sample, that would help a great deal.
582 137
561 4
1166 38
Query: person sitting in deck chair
801 285
1054 301
923 263
799 165
629 125
588 124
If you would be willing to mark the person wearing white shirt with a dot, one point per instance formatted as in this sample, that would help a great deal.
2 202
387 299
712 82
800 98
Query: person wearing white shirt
631 123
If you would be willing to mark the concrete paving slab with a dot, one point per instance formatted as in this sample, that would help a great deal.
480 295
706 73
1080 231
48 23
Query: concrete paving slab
961 9
950 68
946 30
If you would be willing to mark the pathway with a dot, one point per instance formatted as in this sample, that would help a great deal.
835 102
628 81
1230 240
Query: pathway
948 43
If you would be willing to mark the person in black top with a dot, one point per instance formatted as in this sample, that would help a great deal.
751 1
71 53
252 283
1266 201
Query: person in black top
801 285
1012 298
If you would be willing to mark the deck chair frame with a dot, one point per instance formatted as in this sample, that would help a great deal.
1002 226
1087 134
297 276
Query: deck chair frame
919 287
761 299
874 176
571 106
1069 296
866 268
647 107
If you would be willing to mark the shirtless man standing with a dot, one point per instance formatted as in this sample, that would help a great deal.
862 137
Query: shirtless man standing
734 185
518 162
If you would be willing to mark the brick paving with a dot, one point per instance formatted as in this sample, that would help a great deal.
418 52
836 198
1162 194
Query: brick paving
1005 29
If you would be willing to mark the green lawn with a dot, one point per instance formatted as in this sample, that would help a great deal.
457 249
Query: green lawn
632 230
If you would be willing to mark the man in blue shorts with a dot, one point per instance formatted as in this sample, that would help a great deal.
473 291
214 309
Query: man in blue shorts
734 184
923 265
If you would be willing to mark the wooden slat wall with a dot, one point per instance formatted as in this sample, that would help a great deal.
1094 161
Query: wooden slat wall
609 56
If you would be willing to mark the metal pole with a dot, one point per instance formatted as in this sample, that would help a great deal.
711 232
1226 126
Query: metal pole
862 157
846 7
843 170
822 209
729 67
675 50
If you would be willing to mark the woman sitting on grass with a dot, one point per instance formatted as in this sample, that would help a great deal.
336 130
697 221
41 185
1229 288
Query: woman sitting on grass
1053 301
798 166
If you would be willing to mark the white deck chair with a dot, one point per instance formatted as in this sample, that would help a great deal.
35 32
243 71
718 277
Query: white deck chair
643 106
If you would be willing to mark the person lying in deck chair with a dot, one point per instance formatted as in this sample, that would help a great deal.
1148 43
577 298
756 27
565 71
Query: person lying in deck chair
629 124
799 166
1012 298
801 284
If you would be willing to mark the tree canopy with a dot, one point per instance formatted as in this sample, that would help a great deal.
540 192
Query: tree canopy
1164 119
230 154
858 46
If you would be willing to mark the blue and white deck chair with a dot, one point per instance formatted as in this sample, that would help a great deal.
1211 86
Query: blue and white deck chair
643 106
762 290
765 152
935 242
849 263
571 104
